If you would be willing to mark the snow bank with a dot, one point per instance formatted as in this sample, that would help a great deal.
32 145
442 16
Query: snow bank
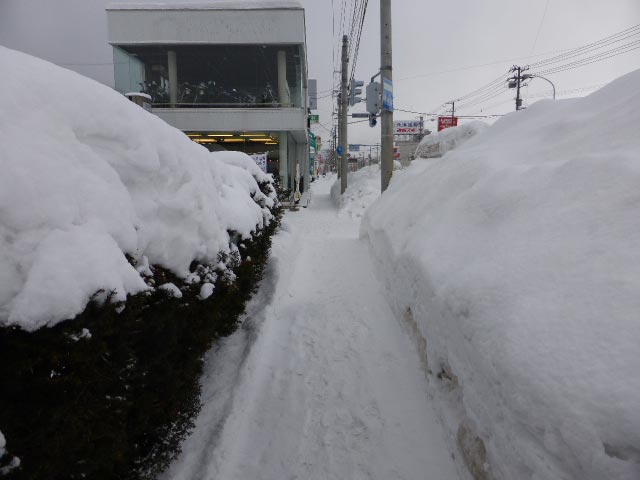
88 176
518 256
363 187
439 143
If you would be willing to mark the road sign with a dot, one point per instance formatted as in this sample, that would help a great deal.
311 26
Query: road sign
404 127
354 147
446 122
387 95
314 118
339 150
313 93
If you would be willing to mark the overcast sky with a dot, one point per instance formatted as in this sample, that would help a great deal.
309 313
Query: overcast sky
430 38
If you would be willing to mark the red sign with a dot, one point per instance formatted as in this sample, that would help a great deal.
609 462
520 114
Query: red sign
446 122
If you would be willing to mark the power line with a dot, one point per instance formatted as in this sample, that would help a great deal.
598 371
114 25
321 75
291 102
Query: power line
535 42
554 64
611 39
593 59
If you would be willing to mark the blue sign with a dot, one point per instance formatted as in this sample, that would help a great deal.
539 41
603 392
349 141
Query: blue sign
354 147
387 95
339 150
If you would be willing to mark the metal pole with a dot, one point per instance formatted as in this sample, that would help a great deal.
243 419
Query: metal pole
344 163
518 101
172 64
386 72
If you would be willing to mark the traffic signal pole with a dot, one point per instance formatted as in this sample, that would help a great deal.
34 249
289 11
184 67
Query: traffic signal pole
386 72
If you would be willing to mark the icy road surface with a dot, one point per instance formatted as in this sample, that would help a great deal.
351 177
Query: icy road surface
321 382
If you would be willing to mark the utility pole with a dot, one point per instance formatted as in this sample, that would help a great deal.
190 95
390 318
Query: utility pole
516 82
335 144
386 73
518 99
344 109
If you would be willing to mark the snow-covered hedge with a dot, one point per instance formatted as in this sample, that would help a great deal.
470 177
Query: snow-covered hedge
136 249
87 177
437 144
518 257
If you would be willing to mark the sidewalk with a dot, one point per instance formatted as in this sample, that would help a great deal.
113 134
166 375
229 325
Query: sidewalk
325 384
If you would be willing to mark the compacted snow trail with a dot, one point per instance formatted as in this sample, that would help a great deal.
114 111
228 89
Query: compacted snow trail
329 386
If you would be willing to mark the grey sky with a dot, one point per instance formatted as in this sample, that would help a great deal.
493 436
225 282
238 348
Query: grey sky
429 37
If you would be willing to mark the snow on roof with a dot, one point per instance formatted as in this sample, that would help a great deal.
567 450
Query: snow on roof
211 5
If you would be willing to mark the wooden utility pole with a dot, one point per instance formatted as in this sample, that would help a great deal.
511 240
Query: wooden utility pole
344 110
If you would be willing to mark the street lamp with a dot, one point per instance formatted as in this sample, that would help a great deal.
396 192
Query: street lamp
533 75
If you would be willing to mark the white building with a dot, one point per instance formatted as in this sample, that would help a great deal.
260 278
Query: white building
230 74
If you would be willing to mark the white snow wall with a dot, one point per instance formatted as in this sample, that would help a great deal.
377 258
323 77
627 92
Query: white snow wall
518 256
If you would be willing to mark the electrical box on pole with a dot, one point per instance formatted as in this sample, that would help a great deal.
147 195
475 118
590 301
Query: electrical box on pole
354 91
374 98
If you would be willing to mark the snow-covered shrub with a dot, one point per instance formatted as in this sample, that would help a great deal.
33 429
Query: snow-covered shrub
125 250
88 178
8 462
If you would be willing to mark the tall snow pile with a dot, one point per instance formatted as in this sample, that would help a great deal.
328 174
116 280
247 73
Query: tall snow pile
363 187
437 144
518 256
87 177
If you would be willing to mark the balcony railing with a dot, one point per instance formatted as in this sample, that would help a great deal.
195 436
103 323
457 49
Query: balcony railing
213 94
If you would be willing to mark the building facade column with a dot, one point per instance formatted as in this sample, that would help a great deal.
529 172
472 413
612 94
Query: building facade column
172 61
284 160
283 86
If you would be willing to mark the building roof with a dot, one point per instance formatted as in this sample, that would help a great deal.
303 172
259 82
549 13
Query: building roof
211 5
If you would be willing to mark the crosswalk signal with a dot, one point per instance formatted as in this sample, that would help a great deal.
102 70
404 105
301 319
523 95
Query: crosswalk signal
373 121
354 91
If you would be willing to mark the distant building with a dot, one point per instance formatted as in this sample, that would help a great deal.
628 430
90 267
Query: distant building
230 74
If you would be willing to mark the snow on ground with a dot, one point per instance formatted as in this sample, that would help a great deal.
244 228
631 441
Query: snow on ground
517 255
320 382
88 176
437 144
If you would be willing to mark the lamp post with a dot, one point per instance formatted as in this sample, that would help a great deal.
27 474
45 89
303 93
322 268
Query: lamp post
533 75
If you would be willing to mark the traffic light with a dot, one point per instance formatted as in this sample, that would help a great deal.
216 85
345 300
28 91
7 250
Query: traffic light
372 120
354 91
373 98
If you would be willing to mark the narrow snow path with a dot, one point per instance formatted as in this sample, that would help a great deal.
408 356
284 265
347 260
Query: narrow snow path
323 383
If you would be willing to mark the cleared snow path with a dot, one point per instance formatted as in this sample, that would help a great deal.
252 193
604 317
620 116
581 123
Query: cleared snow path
321 382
